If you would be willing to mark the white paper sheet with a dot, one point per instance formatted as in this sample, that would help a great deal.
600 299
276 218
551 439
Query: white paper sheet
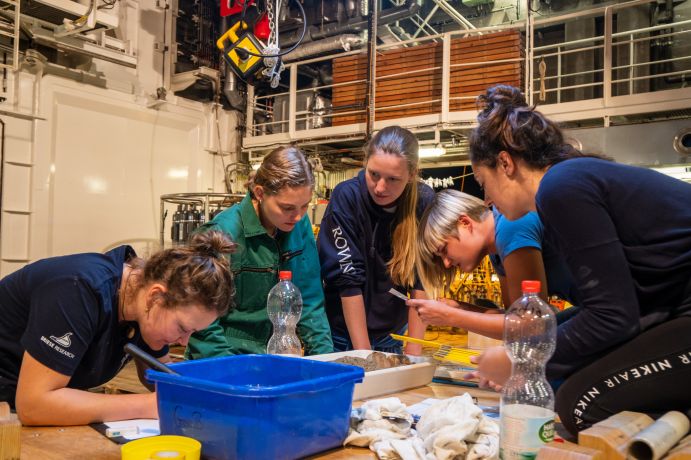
145 428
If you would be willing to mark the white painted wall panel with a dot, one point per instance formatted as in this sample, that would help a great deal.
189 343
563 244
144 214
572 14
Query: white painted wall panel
106 160
16 193
100 159
15 240
17 140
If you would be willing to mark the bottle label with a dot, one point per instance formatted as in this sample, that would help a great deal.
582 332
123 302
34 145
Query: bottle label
524 429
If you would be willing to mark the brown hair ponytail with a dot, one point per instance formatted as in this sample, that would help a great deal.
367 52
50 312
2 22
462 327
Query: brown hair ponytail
507 123
197 273
284 166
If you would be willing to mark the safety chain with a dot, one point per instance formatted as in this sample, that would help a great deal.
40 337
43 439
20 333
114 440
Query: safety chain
274 65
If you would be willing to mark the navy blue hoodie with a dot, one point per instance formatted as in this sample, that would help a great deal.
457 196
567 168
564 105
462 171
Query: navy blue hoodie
354 246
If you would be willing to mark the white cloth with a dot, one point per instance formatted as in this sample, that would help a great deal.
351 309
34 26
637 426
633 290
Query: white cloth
451 429
456 428
379 424
485 443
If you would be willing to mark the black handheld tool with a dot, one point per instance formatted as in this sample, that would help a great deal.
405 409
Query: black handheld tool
141 355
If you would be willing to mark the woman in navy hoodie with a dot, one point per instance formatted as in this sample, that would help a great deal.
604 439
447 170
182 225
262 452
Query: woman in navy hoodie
366 247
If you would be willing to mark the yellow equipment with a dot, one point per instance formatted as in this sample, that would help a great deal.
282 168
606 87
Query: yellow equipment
235 43
466 287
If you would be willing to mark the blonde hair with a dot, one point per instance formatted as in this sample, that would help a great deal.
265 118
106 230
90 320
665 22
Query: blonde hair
398 141
285 166
439 222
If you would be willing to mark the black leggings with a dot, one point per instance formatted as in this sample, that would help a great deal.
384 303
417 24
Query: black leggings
650 374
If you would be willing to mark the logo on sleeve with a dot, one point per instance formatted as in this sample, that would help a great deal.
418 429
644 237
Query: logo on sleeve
62 341
57 343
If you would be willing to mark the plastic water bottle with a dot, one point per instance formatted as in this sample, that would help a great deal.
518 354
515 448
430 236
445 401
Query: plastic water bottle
527 400
284 306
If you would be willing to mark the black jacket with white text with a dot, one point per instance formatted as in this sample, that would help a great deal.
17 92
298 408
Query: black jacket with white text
354 247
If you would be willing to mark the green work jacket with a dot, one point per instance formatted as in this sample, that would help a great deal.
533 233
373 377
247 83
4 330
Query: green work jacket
255 265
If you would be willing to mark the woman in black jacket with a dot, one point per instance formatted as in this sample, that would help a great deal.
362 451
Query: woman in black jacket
366 246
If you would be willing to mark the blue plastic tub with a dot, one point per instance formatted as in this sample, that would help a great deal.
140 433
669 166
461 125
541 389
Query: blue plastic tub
257 406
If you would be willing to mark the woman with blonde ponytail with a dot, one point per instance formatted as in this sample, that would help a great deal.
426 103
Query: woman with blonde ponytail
457 231
367 246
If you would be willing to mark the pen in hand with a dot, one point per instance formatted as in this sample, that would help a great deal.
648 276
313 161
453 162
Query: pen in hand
398 294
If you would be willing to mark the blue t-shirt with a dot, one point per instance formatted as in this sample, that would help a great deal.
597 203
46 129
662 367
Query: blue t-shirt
510 235
64 312
527 232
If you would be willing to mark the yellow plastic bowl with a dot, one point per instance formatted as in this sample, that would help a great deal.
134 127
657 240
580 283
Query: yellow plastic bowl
162 447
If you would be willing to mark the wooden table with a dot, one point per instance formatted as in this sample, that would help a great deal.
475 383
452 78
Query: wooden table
83 442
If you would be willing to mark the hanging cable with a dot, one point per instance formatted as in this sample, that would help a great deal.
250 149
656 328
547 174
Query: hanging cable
463 176
85 17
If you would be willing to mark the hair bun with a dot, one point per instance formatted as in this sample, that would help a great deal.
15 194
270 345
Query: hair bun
501 99
213 243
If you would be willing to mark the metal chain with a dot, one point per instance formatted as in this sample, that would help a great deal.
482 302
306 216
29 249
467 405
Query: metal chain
271 44
272 24
273 65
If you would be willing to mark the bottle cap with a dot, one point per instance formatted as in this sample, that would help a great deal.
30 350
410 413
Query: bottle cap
532 286
285 275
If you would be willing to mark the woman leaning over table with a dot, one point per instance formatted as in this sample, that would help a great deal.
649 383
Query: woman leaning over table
366 246
625 233
458 231
65 320
273 233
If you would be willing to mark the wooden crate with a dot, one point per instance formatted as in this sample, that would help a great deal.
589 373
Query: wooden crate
420 87
10 433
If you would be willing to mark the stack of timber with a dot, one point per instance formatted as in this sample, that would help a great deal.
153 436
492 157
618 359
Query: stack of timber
412 77
10 433
627 436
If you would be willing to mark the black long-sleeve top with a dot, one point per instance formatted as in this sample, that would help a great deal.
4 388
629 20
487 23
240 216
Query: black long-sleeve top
625 233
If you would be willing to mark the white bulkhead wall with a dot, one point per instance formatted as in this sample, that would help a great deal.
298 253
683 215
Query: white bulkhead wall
88 174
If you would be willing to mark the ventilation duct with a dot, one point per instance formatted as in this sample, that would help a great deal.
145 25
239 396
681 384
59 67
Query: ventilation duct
345 42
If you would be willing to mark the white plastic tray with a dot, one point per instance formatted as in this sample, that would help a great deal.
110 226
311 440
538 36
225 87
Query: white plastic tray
385 381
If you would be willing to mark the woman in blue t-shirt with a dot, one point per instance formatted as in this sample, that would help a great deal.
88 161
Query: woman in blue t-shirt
65 321
458 231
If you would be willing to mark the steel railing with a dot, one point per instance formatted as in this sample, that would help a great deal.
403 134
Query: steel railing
615 69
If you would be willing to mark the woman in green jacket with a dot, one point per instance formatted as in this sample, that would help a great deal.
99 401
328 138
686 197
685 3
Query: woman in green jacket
272 233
